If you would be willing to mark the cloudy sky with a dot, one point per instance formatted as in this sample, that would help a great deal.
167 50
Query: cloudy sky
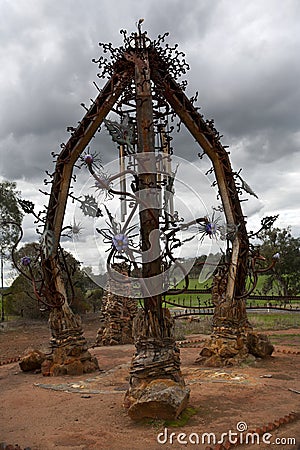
244 60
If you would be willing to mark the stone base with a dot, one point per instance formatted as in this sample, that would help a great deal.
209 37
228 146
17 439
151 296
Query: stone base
157 389
233 349
69 361
69 351
157 399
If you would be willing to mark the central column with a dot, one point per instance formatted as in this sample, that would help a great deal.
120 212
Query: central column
157 389
147 189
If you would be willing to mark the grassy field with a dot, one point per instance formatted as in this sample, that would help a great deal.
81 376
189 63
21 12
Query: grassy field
190 300
274 321
260 322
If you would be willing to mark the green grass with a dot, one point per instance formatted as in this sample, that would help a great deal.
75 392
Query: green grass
274 321
191 299
285 335
183 418
184 328
292 340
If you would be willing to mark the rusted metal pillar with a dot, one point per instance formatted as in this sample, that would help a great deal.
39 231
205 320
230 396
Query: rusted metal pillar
149 212
157 388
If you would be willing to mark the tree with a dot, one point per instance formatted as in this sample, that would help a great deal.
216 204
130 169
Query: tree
22 300
285 274
94 299
9 212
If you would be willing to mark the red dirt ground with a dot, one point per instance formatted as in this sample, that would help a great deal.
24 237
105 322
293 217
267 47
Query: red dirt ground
90 416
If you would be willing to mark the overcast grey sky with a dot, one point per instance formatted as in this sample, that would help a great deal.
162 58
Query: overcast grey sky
244 59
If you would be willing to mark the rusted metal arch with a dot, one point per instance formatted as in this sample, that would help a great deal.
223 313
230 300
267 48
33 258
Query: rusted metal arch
173 93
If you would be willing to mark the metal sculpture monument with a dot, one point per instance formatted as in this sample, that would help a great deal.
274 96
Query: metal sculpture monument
144 73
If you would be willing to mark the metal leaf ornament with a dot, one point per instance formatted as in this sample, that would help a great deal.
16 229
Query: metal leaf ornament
246 187
89 207
26 205
122 133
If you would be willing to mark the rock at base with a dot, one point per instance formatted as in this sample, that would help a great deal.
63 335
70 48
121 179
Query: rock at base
234 349
224 350
156 386
157 399
32 361
259 345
